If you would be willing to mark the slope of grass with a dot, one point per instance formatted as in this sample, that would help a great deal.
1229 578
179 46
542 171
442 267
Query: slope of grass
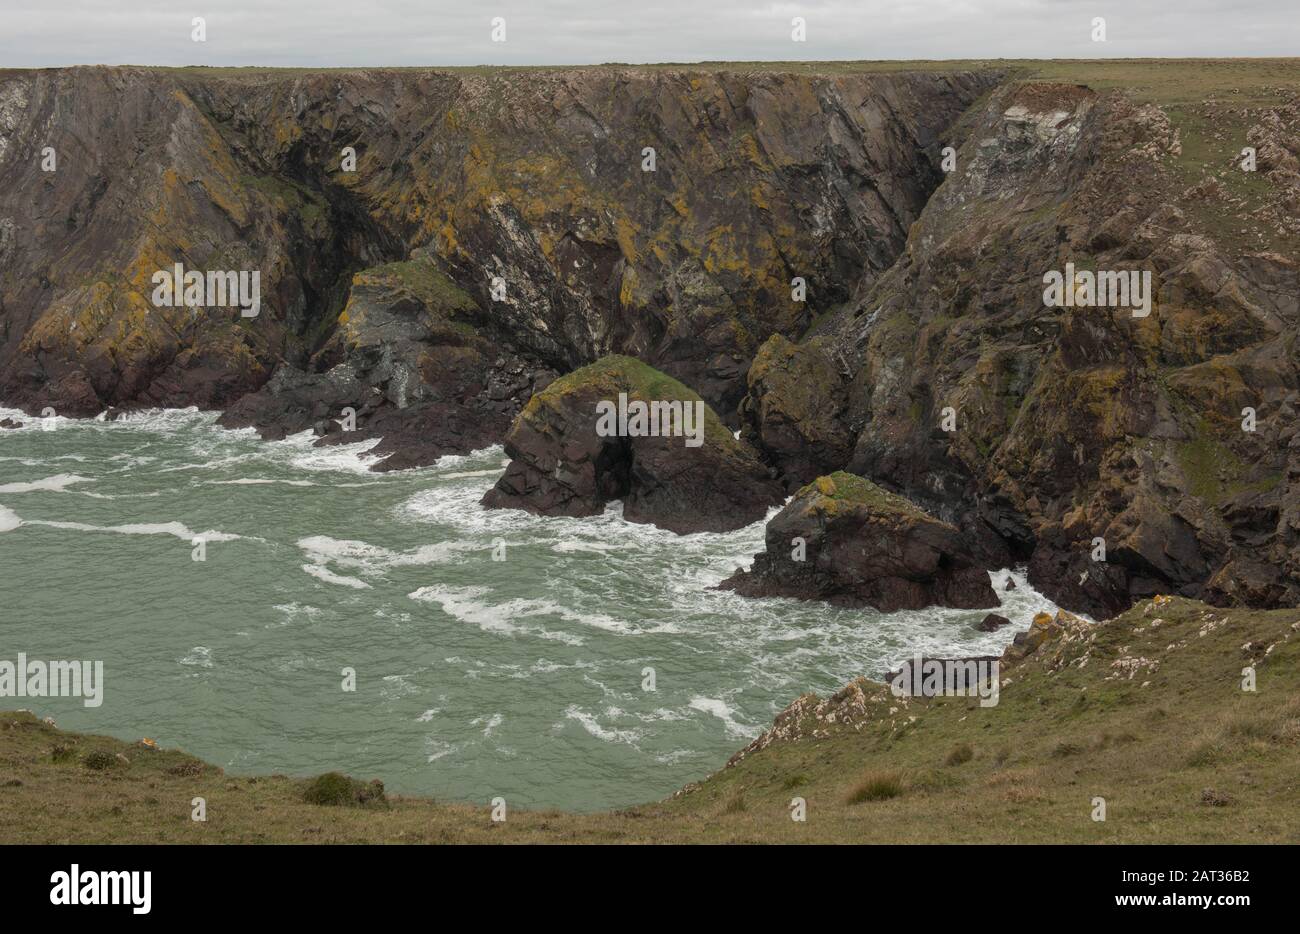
1146 711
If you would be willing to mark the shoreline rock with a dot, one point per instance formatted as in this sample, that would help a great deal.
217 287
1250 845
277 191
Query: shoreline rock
561 466
864 546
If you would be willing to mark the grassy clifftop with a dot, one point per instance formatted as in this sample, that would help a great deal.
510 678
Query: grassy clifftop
1146 711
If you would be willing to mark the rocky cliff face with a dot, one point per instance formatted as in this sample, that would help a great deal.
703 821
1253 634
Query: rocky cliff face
500 229
1048 433
535 179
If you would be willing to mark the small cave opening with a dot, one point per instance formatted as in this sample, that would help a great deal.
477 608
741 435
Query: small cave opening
613 469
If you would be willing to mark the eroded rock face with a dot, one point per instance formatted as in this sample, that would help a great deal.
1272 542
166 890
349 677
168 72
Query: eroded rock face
531 178
562 466
863 547
1071 424
1077 424
795 410
410 362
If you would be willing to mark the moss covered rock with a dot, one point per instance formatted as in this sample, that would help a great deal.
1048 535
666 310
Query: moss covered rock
565 463
409 357
845 540
794 412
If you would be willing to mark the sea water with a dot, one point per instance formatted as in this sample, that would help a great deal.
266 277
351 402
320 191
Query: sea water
523 678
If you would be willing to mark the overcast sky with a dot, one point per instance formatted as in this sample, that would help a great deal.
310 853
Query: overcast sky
436 32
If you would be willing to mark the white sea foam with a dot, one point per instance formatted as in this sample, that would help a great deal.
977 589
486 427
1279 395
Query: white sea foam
596 548
396 686
591 724
719 708
56 484
346 458
373 560
162 421
439 749
176 529
198 657
322 573
466 604
295 609
9 519
260 481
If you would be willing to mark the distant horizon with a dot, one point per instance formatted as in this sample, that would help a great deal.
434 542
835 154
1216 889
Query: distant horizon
802 63
571 33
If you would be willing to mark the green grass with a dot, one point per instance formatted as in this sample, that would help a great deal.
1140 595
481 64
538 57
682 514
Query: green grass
960 755
849 489
427 282
877 786
617 373
338 790
309 205
1159 80
1215 474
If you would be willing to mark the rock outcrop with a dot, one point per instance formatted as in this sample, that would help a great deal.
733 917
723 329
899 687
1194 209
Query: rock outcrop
796 407
409 363
992 623
845 540
1108 451
564 464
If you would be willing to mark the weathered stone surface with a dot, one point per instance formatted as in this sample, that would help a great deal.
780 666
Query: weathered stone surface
561 466
1074 424
533 178
794 412
864 547
410 363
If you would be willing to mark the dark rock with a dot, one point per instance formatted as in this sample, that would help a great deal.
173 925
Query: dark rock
10 423
1073 424
992 623
864 547
561 466
1043 629
409 364
1009 585
794 412
526 178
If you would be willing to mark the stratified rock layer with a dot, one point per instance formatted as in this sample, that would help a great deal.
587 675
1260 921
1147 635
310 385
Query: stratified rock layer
406 364
526 187
796 407
845 540
1109 452
561 466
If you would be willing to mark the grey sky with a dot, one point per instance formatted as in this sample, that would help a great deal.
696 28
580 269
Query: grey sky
437 32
